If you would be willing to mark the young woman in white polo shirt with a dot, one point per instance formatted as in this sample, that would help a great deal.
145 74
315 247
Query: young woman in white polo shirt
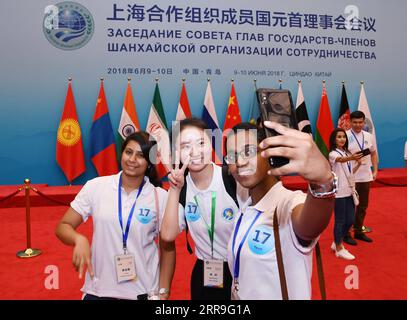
208 210
300 218
123 262
342 164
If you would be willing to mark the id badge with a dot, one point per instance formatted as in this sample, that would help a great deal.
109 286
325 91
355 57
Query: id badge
125 268
213 273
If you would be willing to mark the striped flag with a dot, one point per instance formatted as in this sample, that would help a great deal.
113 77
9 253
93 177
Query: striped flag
209 116
128 121
184 111
344 112
364 107
301 113
157 127
102 144
325 124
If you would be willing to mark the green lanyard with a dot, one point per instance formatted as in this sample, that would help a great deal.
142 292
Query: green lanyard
211 229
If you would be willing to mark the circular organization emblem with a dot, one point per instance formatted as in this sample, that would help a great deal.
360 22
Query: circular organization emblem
145 215
68 25
69 132
192 213
228 214
261 240
368 126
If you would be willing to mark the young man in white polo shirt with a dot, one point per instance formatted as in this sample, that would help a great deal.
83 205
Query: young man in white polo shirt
360 140
252 252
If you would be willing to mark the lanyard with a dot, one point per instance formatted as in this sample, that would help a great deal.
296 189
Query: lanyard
236 259
211 229
363 140
347 162
126 233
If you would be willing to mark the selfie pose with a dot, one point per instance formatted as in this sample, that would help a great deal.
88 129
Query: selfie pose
342 164
252 252
208 197
123 262
362 141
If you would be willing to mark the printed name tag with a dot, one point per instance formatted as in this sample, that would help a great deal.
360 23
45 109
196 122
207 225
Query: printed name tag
125 268
213 273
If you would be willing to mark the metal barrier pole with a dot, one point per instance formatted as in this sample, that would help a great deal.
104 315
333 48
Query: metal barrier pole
29 252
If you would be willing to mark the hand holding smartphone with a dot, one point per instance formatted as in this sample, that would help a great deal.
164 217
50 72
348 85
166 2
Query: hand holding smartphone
365 152
276 105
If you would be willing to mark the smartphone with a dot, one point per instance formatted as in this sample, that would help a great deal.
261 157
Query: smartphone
365 152
276 105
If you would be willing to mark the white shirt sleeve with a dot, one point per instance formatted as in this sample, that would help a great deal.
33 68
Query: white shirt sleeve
82 203
332 157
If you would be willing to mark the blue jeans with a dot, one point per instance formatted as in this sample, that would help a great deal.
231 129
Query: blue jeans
344 217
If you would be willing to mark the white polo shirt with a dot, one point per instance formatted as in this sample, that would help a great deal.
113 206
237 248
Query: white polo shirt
99 199
225 211
365 140
258 276
343 171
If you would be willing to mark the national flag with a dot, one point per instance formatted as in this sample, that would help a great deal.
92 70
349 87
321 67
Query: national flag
69 149
364 107
209 116
280 84
102 142
344 113
157 127
301 113
184 110
254 112
325 124
232 115
128 121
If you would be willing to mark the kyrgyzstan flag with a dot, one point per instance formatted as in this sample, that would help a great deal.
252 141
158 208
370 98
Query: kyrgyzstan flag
325 124
157 127
232 115
184 111
102 144
344 112
69 150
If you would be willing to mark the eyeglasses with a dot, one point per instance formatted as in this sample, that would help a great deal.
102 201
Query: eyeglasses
248 152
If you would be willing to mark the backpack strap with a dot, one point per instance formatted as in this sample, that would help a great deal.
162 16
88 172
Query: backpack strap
281 272
182 200
230 184
280 264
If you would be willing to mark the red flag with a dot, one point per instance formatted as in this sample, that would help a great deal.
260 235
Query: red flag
184 111
69 154
325 125
232 115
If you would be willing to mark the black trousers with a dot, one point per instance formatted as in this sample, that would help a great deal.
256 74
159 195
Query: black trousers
363 188
199 292
93 297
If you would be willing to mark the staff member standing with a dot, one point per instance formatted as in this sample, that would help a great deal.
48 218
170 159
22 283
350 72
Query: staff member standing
124 261
253 253
208 210
360 140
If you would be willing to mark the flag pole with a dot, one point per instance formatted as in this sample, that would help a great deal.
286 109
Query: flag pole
280 83
183 80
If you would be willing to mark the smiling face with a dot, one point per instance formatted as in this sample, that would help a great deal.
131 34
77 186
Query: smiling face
196 144
249 168
133 162
357 124
340 139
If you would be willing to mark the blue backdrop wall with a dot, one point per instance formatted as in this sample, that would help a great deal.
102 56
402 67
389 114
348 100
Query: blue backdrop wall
264 40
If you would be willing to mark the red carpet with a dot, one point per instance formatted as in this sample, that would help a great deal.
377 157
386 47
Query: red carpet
382 265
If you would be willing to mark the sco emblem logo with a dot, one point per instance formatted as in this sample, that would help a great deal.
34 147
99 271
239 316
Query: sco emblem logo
228 214
192 212
68 25
261 240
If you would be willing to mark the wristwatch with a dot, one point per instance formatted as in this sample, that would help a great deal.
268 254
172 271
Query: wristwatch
325 190
163 291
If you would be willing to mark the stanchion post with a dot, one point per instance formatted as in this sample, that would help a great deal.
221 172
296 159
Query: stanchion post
29 252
